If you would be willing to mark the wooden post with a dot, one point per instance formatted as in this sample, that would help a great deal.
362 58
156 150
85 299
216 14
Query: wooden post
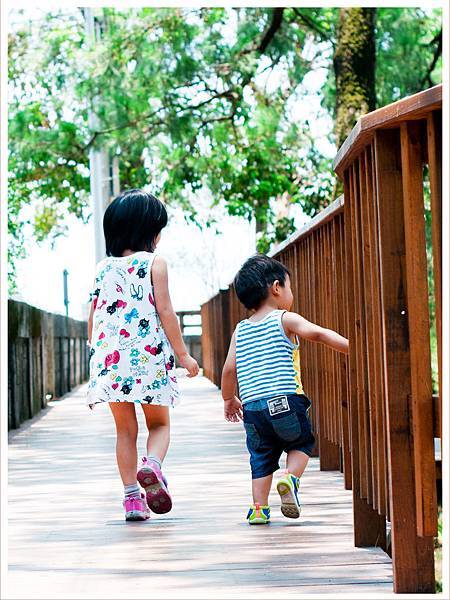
412 556
419 329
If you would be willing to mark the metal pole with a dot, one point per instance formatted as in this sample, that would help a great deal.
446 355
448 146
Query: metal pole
98 157
66 291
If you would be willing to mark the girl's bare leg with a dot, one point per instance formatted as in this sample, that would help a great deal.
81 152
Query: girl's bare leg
127 429
158 424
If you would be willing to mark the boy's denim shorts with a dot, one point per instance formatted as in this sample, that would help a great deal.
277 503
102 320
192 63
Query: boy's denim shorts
269 435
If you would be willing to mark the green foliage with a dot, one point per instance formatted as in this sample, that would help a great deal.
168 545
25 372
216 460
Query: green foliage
407 41
431 284
438 553
188 98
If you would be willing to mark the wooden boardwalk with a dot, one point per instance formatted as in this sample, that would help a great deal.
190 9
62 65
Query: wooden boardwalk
68 539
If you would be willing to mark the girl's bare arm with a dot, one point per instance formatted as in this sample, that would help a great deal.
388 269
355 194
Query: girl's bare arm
90 323
168 316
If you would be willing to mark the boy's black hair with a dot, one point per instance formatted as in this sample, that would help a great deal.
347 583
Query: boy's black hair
254 278
132 221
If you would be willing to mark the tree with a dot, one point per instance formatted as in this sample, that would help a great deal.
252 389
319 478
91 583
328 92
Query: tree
188 98
354 68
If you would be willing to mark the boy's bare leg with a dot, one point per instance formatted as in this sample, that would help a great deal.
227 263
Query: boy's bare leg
261 489
296 462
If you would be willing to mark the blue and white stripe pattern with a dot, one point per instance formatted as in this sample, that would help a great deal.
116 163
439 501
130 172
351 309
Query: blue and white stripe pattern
265 359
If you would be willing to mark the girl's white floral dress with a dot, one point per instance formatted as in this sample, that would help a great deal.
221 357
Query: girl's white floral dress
131 358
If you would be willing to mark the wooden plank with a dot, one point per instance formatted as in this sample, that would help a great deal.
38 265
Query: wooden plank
336 355
382 494
205 554
350 252
369 527
306 254
314 347
419 328
329 451
326 268
323 411
372 376
414 568
412 107
434 134
363 436
333 354
344 362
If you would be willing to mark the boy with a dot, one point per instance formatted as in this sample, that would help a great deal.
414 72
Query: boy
263 359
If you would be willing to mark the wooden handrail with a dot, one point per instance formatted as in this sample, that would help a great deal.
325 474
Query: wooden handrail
325 215
410 108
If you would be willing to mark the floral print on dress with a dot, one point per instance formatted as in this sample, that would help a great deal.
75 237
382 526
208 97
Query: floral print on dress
131 359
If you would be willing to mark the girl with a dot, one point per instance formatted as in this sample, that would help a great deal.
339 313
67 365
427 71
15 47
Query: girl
133 334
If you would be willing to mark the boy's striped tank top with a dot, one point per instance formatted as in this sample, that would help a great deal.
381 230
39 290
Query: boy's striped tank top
267 361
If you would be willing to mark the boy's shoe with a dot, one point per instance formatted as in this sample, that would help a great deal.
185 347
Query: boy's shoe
287 487
150 477
136 508
258 515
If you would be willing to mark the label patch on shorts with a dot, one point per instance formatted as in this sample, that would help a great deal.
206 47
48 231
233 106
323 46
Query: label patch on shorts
278 405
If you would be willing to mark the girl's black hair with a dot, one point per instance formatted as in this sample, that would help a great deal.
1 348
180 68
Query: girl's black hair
132 221
255 277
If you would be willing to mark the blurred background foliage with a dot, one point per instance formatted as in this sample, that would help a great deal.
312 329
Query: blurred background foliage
199 98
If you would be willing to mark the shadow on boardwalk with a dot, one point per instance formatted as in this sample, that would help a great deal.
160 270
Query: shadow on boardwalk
68 539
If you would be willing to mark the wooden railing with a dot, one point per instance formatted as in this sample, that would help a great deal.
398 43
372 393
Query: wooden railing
390 396
360 268
47 357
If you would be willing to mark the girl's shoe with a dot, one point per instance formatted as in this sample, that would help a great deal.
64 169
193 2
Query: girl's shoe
150 477
287 487
258 515
136 508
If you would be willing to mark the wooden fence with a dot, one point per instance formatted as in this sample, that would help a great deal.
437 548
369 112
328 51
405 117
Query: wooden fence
390 156
47 357
360 267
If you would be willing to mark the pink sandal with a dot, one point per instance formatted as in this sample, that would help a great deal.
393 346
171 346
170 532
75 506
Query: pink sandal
150 477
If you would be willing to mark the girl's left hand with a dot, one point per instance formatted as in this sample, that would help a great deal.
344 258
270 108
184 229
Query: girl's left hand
232 409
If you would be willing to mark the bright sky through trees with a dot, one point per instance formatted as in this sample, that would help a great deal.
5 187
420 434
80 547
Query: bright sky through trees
241 114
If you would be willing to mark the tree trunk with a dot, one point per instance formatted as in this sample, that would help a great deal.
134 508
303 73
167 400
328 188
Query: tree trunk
354 68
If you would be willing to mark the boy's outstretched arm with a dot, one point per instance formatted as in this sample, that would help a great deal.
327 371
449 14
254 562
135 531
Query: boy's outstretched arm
295 324
232 406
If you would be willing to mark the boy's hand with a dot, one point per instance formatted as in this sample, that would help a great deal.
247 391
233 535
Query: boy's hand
186 361
232 409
